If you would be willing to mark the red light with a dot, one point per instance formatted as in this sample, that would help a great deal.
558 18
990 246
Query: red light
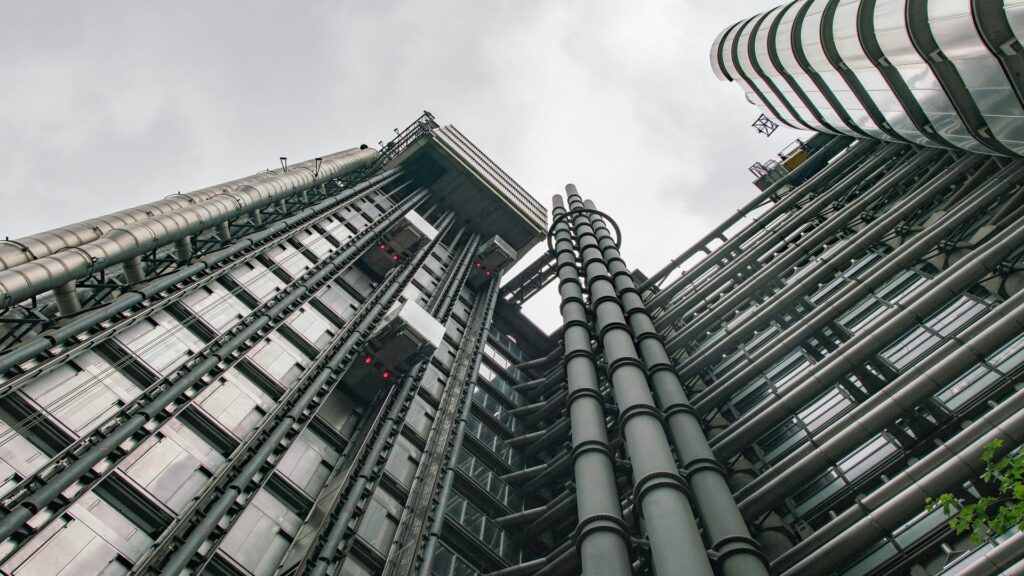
478 264
368 360
385 374
487 272
383 246
394 257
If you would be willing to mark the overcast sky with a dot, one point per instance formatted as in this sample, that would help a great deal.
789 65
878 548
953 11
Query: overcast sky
108 105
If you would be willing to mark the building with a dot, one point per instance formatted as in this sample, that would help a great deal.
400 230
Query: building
944 74
320 370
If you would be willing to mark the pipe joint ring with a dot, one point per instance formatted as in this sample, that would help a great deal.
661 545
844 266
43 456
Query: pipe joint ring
735 544
679 408
704 465
622 361
587 446
576 323
660 479
656 367
641 335
637 410
581 352
608 325
595 302
598 523
578 393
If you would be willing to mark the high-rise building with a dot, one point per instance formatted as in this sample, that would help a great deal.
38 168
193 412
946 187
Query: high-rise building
323 369
925 72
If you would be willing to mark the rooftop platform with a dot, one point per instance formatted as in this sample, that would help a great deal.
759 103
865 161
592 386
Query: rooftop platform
457 172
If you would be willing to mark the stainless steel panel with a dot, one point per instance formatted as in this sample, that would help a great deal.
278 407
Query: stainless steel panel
782 86
235 402
308 462
742 55
894 41
848 45
215 306
161 342
953 27
257 279
784 51
312 326
811 35
279 359
260 538
751 94
83 393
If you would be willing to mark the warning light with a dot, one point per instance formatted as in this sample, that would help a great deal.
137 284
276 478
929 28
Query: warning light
383 246
487 272
478 264
368 360
385 374
394 257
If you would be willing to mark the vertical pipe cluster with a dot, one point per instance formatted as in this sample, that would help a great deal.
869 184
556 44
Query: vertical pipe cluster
661 493
601 535
738 553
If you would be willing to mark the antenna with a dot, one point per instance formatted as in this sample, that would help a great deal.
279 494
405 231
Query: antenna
284 163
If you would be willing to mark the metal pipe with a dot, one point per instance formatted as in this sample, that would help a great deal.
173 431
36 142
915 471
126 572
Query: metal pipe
105 439
128 300
66 296
871 340
180 555
779 211
542 361
22 250
133 271
32 278
749 257
830 265
661 493
1000 560
434 532
602 537
958 447
785 262
919 383
827 151
851 294
895 506
737 553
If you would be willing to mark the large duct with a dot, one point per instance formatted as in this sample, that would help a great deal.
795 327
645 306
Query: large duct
22 250
141 236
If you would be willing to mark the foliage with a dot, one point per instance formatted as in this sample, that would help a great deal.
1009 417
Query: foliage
997 513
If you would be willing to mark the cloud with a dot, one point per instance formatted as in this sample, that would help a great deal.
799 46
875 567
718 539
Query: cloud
109 105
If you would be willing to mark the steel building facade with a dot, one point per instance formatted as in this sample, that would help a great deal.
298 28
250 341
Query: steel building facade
945 73
319 370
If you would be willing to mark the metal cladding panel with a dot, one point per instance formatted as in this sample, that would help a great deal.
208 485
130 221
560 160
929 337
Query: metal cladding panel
786 92
484 168
848 44
965 49
954 30
894 41
783 48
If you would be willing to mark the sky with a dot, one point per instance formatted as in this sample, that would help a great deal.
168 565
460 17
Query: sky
108 105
